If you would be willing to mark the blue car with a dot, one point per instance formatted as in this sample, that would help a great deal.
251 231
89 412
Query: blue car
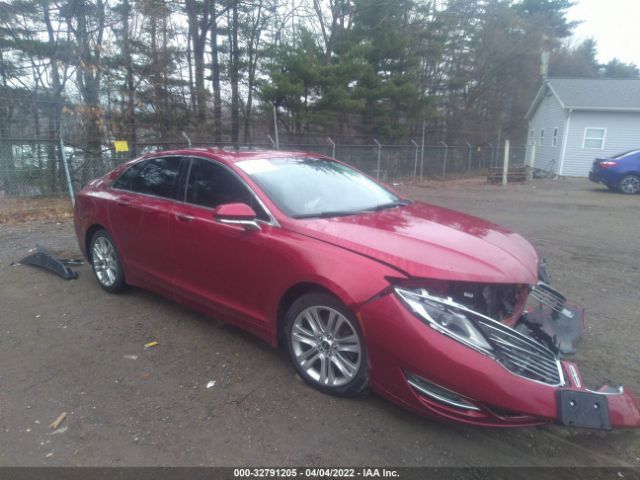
620 172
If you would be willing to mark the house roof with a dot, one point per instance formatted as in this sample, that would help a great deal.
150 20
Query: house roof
591 94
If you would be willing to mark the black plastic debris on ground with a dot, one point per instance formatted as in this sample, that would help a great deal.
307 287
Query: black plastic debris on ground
42 258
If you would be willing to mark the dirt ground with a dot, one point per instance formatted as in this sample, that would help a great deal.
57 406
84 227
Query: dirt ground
70 347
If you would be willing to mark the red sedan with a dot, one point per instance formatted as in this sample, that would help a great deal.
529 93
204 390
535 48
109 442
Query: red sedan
443 313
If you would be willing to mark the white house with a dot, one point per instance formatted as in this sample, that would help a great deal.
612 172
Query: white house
572 121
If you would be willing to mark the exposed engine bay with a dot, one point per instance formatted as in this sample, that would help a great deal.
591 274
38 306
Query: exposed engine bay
499 302
538 311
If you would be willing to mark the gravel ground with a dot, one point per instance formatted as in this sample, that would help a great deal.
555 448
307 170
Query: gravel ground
70 347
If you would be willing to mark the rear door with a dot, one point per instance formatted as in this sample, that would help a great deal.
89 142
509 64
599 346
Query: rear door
140 220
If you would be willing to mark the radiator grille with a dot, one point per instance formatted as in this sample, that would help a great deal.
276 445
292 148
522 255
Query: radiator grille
522 356
549 297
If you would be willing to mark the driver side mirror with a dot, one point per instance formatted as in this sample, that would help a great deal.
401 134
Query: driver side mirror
239 214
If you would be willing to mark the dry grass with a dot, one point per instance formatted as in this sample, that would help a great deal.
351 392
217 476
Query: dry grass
20 210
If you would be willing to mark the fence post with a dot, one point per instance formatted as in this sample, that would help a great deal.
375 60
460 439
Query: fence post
505 163
273 143
66 170
444 162
186 137
333 147
275 127
532 161
491 156
469 159
379 153
424 124
415 161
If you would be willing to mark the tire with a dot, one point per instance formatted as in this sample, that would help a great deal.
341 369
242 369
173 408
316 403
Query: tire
630 184
106 264
337 367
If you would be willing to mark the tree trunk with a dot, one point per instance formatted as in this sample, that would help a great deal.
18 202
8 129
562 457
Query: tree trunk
215 73
54 117
7 166
89 81
130 117
198 28
234 77
252 59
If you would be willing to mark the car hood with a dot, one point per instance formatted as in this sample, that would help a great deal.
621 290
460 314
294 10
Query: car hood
426 241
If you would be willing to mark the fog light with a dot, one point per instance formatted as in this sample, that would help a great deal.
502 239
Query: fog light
438 393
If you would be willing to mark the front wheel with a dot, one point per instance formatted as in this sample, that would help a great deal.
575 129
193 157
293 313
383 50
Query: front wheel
630 184
106 262
326 346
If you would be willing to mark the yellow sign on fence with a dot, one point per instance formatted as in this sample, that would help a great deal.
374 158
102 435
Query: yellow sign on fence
121 145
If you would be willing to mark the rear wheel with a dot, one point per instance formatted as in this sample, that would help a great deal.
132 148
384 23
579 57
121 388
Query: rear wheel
630 184
106 262
326 346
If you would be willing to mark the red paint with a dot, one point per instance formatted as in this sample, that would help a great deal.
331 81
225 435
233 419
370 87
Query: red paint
238 211
184 252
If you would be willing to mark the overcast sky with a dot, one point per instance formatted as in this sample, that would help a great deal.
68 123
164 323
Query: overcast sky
614 24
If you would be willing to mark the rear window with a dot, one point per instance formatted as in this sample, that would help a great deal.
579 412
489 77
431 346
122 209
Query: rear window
158 177
626 154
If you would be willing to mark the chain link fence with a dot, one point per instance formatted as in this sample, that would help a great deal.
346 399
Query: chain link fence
33 168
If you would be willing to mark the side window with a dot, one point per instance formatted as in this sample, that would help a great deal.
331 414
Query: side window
158 177
210 185
125 179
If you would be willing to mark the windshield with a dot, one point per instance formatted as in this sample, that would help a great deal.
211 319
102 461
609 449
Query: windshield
317 187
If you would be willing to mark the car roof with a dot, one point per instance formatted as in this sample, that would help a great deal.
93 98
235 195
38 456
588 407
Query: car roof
232 156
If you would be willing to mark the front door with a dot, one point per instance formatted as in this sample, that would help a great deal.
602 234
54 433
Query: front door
217 265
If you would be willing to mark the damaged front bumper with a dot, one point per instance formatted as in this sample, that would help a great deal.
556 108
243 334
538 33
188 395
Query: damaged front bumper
438 376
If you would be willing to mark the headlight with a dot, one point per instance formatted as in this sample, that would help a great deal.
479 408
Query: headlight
444 316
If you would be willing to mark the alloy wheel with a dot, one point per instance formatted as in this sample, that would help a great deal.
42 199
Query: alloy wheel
105 261
326 346
630 184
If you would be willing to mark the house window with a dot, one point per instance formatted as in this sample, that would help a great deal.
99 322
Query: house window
554 142
541 136
594 138
532 137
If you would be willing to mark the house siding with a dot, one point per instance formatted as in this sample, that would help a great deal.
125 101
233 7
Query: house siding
622 133
548 116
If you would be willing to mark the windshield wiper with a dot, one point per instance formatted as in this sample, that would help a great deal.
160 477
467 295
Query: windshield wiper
384 206
337 213
344 213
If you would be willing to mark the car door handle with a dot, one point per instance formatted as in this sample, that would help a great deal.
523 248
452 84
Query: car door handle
184 218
